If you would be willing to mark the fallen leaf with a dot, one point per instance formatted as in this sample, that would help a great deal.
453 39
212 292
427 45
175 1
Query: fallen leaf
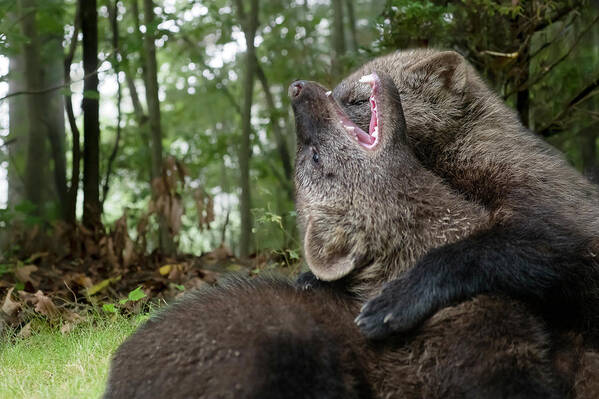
82 280
23 274
71 320
9 306
36 256
101 285
164 270
45 306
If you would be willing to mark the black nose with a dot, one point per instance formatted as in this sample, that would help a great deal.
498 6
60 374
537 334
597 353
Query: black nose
295 89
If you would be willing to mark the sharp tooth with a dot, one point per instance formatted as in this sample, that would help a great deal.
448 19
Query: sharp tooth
328 93
350 128
367 79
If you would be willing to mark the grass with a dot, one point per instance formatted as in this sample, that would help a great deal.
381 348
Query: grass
49 364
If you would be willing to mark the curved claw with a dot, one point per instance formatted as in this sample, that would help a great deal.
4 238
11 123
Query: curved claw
395 310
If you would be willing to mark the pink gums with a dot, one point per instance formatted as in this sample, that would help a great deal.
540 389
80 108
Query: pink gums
367 140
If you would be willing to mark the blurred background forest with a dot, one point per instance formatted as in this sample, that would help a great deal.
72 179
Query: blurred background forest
134 132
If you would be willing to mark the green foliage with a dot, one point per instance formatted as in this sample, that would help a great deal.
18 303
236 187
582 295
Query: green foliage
133 296
200 57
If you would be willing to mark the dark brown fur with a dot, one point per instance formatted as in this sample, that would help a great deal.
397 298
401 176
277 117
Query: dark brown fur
542 241
266 338
368 216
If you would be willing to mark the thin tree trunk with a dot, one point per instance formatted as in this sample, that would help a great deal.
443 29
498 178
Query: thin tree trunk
523 38
167 244
589 135
338 37
91 124
249 25
54 115
274 123
73 191
352 25
113 16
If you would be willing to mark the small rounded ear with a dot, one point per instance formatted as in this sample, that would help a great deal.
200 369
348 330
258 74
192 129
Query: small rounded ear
448 66
326 260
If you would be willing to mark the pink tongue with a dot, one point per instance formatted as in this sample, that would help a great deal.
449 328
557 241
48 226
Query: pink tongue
364 137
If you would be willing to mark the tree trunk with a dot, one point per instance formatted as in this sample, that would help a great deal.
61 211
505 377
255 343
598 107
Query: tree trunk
249 24
166 242
73 191
352 25
338 38
523 38
589 135
36 117
53 73
18 130
91 124
37 156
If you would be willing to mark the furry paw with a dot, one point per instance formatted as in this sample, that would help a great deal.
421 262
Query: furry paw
394 310
308 281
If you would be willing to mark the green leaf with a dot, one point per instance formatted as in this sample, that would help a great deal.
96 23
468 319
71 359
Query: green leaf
109 307
293 254
136 294
179 287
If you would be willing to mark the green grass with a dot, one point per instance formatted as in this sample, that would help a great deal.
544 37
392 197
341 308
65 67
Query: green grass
49 364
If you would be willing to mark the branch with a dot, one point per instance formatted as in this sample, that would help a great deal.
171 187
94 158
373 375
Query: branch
556 126
549 68
550 42
548 21
8 142
52 88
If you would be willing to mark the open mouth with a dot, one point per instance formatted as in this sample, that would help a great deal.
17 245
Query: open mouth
371 139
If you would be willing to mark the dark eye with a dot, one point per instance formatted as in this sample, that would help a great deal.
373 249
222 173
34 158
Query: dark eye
358 101
315 156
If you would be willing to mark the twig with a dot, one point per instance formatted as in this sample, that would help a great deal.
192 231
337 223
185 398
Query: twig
555 126
549 68
52 88
8 142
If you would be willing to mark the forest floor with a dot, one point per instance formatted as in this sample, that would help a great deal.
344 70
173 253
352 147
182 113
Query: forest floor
68 300
64 276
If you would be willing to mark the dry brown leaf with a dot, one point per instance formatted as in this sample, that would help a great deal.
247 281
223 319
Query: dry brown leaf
71 320
82 280
45 306
23 274
10 307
